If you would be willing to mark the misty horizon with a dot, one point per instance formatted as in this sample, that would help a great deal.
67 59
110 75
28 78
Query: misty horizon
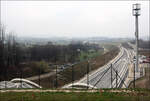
74 19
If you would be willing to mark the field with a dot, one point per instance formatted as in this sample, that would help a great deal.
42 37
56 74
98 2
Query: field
99 95
89 55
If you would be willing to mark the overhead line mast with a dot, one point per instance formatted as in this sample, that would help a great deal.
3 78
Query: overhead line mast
136 12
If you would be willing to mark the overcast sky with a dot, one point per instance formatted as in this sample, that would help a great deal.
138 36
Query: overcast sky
73 18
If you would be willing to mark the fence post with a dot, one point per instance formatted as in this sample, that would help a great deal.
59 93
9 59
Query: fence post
56 77
88 75
72 76
111 74
149 72
134 76
21 77
39 77
116 79
6 78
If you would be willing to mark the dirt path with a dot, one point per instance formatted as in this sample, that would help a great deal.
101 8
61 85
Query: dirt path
41 76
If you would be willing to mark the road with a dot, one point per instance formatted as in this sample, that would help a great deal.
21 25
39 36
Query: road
120 64
42 76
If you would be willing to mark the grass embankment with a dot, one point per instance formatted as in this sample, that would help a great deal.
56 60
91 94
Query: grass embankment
143 82
101 95
79 70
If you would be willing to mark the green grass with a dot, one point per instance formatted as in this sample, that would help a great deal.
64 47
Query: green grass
72 96
86 55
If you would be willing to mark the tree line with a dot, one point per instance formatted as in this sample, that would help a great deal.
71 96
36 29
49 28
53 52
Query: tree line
9 52
13 55
144 44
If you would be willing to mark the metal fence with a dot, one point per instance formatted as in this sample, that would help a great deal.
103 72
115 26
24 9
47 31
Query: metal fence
110 77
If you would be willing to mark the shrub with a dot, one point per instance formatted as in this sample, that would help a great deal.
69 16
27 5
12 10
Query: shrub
41 66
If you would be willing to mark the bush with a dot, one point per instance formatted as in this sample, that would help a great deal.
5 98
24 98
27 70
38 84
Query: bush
41 66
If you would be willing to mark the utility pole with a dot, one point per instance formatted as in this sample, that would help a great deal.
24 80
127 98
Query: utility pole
137 57
136 13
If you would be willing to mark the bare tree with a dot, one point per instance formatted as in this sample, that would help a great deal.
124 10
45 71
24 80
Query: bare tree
2 42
